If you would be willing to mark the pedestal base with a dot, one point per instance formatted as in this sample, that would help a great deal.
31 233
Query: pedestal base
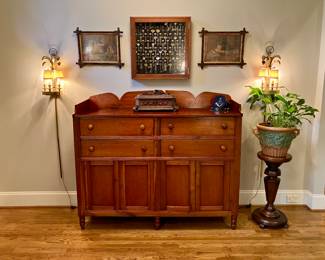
270 219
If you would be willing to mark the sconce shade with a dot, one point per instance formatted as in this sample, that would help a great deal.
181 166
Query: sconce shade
263 73
274 74
268 73
52 74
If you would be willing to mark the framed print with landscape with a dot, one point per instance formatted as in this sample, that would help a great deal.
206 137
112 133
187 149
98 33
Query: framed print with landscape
222 48
99 48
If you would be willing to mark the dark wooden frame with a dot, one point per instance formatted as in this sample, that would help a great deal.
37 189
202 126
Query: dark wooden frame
187 21
82 63
241 63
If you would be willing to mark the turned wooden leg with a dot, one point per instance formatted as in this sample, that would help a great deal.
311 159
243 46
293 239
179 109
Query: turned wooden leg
157 223
233 221
269 216
82 222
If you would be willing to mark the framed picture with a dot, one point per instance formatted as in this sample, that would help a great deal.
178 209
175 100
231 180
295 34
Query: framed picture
99 48
160 47
222 48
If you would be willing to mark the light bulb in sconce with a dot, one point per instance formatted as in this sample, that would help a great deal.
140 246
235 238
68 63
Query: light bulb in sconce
52 76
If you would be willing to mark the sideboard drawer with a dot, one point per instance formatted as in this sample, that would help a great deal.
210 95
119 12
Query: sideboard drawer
197 147
198 126
116 127
116 148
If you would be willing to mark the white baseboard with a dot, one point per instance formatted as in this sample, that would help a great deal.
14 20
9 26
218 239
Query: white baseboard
60 198
37 198
284 197
314 201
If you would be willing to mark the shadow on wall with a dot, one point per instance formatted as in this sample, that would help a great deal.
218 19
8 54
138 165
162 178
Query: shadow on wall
281 31
161 84
41 24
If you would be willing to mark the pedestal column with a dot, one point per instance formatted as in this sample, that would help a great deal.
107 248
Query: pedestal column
269 216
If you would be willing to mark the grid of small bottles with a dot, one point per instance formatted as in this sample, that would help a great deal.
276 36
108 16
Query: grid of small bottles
160 47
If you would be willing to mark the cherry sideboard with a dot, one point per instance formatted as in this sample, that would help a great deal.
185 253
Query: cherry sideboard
159 164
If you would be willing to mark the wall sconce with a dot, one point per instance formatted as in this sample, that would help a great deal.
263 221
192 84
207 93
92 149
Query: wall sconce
52 84
269 73
52 76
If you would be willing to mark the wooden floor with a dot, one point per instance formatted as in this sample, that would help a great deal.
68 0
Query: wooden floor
53 233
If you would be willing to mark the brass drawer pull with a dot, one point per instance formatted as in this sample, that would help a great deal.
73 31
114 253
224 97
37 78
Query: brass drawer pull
170 126
90 127
144 149
142 127
223 148
91 148
171 148
224 126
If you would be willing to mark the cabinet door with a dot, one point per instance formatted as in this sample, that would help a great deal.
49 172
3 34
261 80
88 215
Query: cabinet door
177 181
212 185
136 185
101 189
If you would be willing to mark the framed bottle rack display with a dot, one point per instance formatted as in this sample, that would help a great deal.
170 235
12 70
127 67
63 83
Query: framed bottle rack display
160 47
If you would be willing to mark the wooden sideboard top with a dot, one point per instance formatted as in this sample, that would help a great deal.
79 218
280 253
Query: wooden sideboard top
108 104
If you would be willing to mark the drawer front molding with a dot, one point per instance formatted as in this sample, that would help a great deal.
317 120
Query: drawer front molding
189 148
198 126
111 148
116 127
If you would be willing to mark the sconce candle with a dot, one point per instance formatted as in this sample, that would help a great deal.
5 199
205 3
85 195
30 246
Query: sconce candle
52 82
269 79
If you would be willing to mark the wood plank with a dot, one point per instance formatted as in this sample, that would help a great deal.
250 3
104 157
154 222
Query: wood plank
54 233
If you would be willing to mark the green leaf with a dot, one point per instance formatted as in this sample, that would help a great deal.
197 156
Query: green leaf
289 110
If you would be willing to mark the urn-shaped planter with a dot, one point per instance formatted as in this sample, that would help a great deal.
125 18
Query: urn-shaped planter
275 141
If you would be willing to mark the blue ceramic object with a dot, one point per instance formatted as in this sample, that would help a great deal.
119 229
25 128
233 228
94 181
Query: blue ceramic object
220 104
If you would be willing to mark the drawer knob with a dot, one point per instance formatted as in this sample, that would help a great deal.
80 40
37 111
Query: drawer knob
171 148
142 127
90 127
144 149
223 148
224 126
91 148
170 126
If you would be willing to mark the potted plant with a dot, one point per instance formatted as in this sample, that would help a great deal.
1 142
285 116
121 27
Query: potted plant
283 114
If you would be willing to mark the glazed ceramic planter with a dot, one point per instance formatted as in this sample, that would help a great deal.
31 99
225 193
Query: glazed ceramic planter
275 141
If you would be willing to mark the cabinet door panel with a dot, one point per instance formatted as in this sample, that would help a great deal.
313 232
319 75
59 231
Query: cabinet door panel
136 185
100 185
177 185
212 182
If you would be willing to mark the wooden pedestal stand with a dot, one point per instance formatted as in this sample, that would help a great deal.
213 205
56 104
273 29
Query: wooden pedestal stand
269 216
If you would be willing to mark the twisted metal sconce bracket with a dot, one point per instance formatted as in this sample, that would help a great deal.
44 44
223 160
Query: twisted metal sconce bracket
268 60
53 60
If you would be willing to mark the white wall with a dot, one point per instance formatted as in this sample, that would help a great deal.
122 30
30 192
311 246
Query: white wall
315 164
28 28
